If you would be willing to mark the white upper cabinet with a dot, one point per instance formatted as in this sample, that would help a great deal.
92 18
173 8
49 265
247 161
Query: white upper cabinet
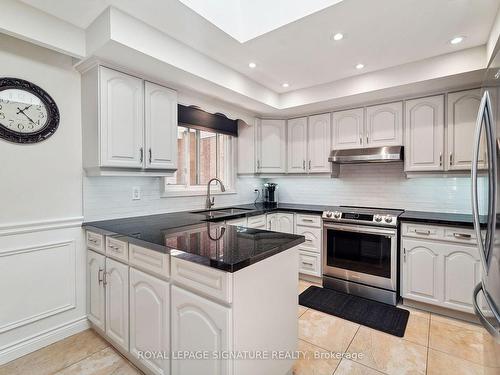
122 119
161 127
271 142
348 129
384 125
424 129
149 319
462 114
319 145
117 322
297 145
246 148
129 126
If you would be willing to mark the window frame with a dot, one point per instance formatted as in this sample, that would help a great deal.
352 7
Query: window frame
174 190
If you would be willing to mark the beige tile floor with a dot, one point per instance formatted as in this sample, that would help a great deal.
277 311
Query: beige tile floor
433 345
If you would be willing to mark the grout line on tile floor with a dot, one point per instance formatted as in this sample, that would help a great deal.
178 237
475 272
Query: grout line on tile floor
83 359
428 343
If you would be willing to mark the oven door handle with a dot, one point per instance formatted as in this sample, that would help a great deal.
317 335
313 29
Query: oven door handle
361 229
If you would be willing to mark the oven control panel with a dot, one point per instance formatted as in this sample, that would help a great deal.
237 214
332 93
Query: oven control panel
356 217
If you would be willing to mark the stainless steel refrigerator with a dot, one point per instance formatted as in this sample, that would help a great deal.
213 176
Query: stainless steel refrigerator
485 200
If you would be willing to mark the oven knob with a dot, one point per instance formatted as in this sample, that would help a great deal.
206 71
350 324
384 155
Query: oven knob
388 219
378 218
328 214
337 214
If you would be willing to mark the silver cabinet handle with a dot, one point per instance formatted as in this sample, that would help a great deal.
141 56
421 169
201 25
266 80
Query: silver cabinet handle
462 235
93 240
309 240
150 155
404 254
309 220
142 154
100 275
360 139
440 159
308 264
309 165
425 232
105 278
258 164
367 139
451 158
303 164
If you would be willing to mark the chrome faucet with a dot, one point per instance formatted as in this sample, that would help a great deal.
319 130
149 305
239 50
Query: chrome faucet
211 201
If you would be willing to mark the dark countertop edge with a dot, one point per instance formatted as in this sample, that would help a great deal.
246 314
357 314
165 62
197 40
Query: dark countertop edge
231 268
439 218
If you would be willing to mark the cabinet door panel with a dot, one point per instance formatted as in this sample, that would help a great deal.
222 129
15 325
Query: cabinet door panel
319 143
348 129
161 127
117 322
199 325
384 125
285 222
272 146
462 115
121 119
461 274
272 222
246 148
420 276
149 319
424 128
96 264
297 145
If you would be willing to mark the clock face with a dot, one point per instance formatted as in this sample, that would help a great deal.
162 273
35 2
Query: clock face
28 114
21 111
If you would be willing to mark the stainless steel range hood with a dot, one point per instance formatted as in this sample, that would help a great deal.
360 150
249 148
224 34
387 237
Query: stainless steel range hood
367 155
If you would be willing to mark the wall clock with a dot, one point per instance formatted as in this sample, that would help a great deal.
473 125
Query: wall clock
27 113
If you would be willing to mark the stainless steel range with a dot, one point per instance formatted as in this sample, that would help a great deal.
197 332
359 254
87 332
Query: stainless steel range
360 252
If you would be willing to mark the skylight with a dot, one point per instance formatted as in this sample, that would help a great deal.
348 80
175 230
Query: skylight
247 19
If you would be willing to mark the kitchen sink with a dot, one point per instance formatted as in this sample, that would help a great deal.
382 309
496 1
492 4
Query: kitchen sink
224 211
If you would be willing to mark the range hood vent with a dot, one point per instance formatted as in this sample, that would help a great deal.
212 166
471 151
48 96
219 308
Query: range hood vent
367 155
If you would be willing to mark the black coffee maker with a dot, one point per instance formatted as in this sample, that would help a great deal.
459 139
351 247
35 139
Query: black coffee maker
270 196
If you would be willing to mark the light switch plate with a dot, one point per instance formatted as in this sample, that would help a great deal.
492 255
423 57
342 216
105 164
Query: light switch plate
136 193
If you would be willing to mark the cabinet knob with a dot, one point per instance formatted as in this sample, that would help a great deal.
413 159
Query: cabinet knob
141 151
150 155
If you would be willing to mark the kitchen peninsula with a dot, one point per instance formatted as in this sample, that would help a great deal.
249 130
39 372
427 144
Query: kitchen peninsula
179 293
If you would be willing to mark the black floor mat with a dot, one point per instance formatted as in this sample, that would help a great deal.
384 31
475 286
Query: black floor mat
373 314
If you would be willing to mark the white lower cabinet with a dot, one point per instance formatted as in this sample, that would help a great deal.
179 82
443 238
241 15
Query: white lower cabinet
117 323
439 272
149 319
309 263
199 324
96 265
280 222
257 222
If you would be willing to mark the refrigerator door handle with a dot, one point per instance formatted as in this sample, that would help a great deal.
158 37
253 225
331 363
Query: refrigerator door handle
484 114
484 321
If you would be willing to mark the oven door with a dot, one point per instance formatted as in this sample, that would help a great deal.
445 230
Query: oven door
362 254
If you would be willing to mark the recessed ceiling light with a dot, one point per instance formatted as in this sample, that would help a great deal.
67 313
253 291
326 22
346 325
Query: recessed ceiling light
285 85
338 36
252 65
457 39
360 66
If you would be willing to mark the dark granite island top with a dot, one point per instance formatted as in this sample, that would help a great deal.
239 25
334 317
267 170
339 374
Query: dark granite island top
192 237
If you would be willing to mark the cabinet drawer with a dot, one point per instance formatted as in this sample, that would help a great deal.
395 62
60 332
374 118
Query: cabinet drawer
202 279
423 231
117 249
257 222
95 242
308 220
460 235
313 239
309 263
149 261
241 222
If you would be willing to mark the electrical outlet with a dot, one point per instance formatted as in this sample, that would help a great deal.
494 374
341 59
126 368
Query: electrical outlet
136 193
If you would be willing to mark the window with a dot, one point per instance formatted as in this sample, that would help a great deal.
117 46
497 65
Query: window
202 155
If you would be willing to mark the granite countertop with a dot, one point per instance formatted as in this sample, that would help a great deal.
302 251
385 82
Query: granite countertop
201 238
452 219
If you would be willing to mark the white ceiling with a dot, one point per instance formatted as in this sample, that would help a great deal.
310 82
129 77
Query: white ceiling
380 34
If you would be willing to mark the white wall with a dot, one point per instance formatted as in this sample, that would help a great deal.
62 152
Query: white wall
42 261
379 185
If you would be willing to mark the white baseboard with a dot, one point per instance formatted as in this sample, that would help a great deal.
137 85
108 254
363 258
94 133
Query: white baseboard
35 342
